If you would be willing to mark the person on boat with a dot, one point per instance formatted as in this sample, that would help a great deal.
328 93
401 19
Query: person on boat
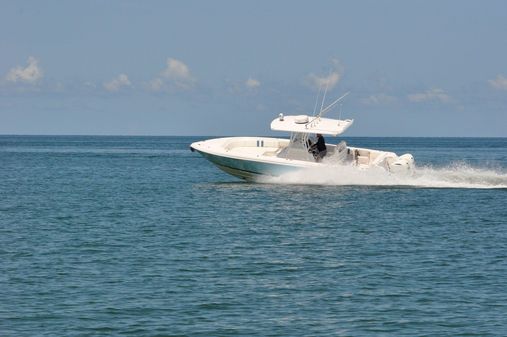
319 148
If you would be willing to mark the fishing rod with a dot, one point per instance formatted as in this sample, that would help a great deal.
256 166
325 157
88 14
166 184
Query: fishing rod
321 113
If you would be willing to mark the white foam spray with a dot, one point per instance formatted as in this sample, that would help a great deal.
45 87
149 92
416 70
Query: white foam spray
456 175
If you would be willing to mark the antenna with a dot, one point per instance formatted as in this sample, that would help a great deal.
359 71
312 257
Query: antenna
317 100
332 104
325 92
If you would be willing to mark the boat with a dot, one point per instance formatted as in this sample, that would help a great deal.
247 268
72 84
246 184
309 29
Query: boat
251 158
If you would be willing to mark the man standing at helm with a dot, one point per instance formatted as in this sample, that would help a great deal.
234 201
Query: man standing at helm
319 149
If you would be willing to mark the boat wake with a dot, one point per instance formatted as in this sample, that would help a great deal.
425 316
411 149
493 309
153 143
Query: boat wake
457 175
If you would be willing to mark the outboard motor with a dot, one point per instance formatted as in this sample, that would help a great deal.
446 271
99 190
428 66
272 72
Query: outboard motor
404 163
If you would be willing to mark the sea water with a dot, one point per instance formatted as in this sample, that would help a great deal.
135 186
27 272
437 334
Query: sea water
139 236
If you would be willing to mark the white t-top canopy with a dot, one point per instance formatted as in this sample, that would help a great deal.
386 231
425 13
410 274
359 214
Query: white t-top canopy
309 124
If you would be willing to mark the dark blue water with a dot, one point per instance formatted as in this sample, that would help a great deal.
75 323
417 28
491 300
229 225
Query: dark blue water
139 236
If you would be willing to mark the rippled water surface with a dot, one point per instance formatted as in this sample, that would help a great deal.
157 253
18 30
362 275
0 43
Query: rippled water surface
139 236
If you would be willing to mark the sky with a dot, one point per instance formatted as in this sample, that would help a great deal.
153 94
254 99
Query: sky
217 68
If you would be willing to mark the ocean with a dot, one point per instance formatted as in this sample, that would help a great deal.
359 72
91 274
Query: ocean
139 236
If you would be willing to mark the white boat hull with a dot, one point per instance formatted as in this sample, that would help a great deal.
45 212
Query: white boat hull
252 157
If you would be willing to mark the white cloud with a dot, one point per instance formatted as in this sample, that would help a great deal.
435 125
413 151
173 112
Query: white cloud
434 94
156 84
31 74
499 82
117 83
252 83
328 81
379 99
177 73
176 69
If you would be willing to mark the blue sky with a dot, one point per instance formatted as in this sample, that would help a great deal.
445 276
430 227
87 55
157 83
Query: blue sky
414 68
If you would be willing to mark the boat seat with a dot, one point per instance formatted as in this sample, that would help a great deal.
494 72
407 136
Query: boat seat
363 160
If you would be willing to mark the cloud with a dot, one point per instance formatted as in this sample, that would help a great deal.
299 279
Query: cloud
252 83
378 99
329 81
177 70
31 74
175 75
156 84
244 87
499 82
117 83
434 94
